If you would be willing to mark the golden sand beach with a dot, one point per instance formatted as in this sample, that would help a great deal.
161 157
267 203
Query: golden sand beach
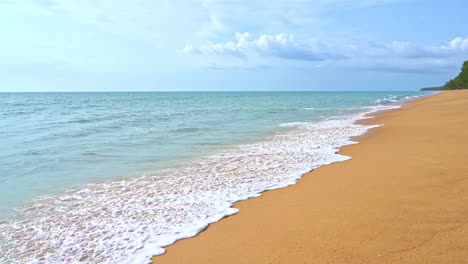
402 198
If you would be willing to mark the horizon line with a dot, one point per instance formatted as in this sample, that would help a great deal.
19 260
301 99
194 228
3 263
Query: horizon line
217 91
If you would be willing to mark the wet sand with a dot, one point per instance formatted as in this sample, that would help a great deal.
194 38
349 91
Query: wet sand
402 198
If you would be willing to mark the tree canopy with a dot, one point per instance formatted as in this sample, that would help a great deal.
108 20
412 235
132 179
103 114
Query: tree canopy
459 82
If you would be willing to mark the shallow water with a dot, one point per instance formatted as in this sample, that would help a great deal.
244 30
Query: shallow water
114 177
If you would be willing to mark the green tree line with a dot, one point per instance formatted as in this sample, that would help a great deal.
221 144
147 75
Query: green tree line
459 82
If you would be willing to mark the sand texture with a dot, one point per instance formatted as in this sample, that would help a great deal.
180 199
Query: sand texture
402 198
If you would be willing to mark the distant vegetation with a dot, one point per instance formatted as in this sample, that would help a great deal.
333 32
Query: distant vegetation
431 89
460 82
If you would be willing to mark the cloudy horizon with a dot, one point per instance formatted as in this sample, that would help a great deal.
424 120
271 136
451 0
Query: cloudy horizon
227 45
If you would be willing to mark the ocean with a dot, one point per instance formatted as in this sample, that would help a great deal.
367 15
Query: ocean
116 177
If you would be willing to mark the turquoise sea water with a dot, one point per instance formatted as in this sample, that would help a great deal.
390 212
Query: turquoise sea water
52 142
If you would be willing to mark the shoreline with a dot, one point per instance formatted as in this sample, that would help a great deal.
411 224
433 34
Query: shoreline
254 234
164 207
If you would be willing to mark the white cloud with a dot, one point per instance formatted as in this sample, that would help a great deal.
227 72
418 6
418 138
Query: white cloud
459 44
396 56
282 46
406 50
287 46
406 57
409 50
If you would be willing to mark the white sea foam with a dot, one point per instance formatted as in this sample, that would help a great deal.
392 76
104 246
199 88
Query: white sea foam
397 99
129 220
339 108
293 124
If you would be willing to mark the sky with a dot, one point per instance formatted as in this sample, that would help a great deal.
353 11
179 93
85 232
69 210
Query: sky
229 45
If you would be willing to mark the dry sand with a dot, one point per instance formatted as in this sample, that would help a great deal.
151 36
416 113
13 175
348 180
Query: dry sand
402 198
